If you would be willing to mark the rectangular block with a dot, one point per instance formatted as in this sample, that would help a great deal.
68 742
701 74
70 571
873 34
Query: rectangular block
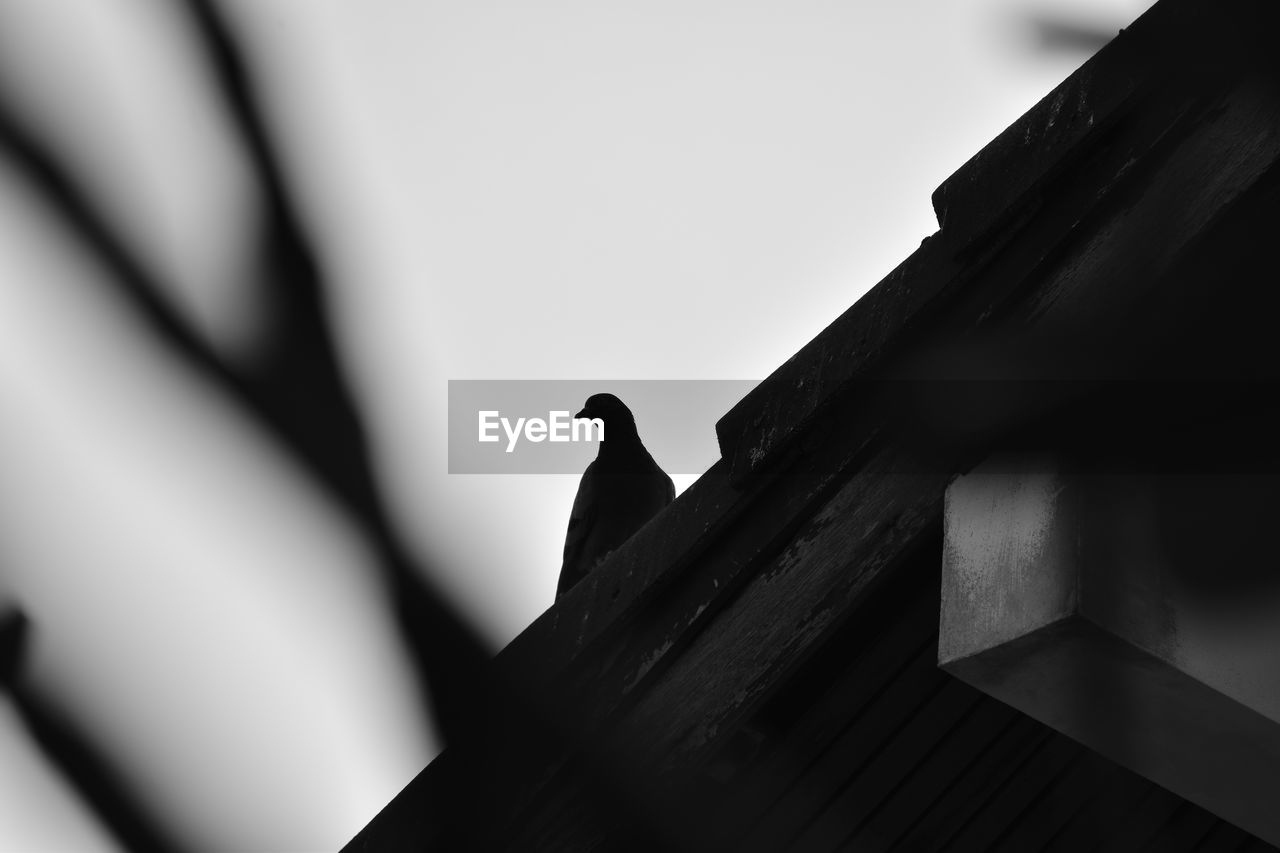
1136 614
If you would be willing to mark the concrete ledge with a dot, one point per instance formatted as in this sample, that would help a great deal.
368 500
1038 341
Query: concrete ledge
1142 713
1062 598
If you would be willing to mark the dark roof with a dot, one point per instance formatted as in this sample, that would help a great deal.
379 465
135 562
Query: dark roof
757 666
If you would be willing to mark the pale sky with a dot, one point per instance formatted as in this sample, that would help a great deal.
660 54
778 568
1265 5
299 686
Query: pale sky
503 190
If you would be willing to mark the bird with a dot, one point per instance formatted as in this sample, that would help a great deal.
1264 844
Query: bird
619 492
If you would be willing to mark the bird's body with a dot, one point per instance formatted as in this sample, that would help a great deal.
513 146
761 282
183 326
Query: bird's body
620 491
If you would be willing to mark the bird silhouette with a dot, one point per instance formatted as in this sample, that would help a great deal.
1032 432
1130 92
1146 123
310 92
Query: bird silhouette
620 491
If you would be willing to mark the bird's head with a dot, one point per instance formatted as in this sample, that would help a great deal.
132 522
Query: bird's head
613 412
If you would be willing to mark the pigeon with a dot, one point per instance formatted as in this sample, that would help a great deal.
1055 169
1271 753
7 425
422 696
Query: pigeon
620 491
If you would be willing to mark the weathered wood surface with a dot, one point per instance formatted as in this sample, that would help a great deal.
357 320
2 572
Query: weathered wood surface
915 762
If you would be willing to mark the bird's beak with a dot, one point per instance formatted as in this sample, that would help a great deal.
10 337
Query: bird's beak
585 413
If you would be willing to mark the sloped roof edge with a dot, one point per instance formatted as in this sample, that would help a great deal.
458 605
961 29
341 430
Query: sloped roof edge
976 208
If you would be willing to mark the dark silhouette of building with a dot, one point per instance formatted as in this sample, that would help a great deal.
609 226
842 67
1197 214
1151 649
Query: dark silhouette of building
758 668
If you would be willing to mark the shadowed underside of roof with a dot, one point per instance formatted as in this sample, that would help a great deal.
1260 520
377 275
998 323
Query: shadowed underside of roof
871 747
757 668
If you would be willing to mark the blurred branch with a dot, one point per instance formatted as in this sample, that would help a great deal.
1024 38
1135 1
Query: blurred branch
54 182
1054 33
299 385
14 628
297 374
298 396
502 727
104 790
